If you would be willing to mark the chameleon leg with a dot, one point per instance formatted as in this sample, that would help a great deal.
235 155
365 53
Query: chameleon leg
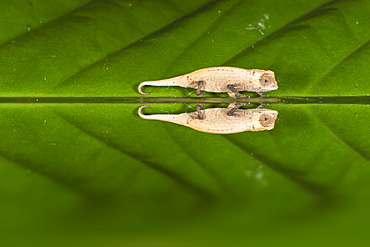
200 84
200 114
262 94
235 108
231 87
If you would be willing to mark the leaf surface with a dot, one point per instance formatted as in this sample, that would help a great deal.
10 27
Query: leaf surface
99 169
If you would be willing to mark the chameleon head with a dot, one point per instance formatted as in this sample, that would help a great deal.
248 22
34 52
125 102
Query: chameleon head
267 119
267 81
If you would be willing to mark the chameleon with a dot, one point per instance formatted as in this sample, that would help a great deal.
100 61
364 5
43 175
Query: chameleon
220 120
229 80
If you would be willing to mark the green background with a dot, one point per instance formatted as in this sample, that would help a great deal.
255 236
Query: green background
82 174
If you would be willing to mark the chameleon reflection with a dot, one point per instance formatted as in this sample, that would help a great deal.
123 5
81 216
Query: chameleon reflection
220 120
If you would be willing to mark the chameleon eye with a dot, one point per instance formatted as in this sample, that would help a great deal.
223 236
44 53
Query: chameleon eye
266 120
266 79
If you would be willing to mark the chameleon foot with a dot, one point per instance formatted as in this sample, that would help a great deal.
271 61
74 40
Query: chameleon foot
262 94
200 85
235 108
231 87
200 114
261 105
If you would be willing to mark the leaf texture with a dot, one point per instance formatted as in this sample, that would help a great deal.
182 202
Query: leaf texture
99 168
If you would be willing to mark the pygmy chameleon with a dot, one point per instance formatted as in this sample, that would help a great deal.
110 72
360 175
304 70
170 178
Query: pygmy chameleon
229 80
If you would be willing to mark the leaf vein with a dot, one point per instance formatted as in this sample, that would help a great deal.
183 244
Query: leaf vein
45 23
309 14
163 171
337 64
187 15
336 135
317 190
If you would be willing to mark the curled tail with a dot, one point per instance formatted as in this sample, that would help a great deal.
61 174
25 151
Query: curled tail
176 81
173 118
141 114
145 83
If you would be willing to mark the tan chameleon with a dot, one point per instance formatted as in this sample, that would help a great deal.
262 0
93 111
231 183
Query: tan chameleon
221 120
229 80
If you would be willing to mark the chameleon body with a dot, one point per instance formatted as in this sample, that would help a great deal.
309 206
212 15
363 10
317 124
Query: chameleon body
220 120
229 80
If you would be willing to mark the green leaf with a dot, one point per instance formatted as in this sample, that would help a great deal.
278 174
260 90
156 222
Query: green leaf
89 166
107 48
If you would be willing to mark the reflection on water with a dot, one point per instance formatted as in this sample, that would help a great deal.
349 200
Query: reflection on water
221 120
